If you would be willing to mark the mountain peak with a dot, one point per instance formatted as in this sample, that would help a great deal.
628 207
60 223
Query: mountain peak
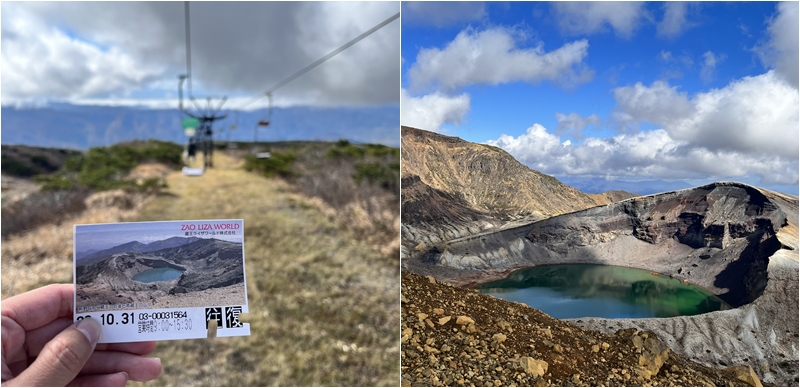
488 178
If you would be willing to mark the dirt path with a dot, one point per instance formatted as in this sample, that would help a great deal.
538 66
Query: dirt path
323 306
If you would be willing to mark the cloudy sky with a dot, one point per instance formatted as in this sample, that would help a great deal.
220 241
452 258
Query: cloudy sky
131 53
631 91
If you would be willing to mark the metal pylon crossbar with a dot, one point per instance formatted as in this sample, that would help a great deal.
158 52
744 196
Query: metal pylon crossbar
203 137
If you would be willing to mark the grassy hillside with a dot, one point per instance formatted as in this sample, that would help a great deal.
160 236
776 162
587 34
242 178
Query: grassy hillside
322 276
47 185
26 161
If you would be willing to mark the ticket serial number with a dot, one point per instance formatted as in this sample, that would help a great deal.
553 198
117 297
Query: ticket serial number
131 318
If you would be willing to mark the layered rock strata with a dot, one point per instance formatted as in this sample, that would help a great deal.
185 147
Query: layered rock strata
736 240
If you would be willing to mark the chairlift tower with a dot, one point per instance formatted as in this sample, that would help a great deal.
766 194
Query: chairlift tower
200 127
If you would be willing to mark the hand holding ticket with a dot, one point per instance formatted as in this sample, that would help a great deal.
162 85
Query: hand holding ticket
41 347
161 280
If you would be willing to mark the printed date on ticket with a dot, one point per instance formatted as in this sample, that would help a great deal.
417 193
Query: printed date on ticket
146 281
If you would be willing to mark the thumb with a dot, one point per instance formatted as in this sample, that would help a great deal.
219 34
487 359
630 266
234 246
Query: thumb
64 356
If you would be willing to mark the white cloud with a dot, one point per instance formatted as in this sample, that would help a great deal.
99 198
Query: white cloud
710 61
573 124
781 52
755 115
492 57
658 103
592 17
442 13
57 50
39 60
535 147
674 65
747 130
644 155
431 111
675 21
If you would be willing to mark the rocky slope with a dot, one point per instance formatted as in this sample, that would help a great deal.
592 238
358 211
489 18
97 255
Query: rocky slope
452 188
487 178
738 241
204 263
458 337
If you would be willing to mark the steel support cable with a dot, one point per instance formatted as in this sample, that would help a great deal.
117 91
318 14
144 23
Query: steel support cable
321 60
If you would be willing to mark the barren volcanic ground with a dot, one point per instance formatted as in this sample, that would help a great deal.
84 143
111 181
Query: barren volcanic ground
738 241
456 336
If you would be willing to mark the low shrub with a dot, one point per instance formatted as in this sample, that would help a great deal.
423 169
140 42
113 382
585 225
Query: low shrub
17 168
344 149
104 168
43 207
279 163
387 175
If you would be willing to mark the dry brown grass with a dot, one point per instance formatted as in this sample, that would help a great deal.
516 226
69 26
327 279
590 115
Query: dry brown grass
147 171
371 212
324 305
39 208
44 255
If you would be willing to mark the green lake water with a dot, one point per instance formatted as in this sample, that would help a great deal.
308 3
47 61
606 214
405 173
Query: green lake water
157 275
591 290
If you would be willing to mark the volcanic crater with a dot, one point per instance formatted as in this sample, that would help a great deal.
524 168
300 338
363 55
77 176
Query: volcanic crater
735 240
204 264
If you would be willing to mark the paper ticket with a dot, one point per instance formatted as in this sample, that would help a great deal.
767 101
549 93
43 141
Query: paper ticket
163 280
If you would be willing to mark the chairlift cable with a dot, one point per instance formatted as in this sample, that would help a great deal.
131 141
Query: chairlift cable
323 59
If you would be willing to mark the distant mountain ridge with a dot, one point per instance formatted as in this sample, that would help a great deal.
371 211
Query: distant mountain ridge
599 185
79 127
133 246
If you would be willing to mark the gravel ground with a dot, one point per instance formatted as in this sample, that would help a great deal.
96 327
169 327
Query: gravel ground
458 337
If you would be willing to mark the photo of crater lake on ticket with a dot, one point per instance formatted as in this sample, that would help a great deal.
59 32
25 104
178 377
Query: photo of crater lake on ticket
159 265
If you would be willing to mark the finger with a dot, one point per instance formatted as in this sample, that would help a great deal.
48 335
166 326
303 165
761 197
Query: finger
39 307
13 339
139 368
62 358
110 380
138 348
36 339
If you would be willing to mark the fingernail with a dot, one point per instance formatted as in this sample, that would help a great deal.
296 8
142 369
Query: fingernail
125 378
90 328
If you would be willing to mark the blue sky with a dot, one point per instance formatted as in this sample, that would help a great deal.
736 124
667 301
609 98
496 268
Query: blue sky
632 91
104 236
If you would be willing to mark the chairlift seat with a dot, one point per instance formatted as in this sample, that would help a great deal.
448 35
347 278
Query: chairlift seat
193 171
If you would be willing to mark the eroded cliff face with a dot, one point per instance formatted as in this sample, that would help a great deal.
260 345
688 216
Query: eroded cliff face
738 241
488 179
455 189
